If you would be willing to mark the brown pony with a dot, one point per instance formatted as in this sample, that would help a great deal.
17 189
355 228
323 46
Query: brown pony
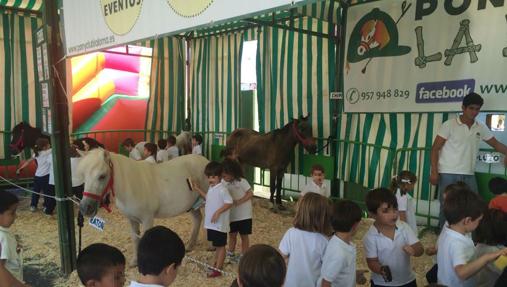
272 150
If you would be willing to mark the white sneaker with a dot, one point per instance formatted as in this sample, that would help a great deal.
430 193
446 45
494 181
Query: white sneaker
33 208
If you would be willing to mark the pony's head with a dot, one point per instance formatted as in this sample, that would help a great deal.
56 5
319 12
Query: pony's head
96 170
17 141
303 131
373 34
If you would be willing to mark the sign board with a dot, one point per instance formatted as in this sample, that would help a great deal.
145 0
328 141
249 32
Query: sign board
490 157
336 96
95 25
425 55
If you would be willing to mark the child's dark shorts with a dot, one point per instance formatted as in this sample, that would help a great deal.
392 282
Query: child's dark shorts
244 227
217 238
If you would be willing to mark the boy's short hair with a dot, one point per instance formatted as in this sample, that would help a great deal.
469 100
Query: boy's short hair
213 168
162 143
159 248
128 142
497 185
376 197
198 138
262 266
151 147
492 229
317 167
94 261
171 140
457 186
7 199
473 99
463 203
345 214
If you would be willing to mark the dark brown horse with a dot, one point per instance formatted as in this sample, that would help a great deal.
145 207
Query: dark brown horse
271 151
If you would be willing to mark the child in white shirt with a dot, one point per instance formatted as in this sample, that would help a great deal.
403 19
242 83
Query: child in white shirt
162 154
241 212
401 185
172 149
197 144
216 213
389 243
463 210
303 245
317 184
150 151
134 153
339 262
11 265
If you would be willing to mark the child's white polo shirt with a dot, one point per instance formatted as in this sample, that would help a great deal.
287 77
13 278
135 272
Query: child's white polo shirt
339 263
9 253
216 197
454 249
135 154
162 155
238 189
458 155
197 149
44 160
390 252
313 187
137 284
173 152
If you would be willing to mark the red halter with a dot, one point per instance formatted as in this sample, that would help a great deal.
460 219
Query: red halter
105 192
304 141
19 144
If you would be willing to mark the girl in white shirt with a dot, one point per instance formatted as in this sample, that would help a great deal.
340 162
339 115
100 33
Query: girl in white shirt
303 246
150 152
401 185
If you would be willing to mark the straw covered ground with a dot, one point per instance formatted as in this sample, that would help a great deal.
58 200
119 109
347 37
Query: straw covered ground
39 236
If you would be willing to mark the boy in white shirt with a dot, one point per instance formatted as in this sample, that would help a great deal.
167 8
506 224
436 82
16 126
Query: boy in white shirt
317 184
216 213
389 243
339 262
172 149
463 210
162 154
197 144
134 153
11 266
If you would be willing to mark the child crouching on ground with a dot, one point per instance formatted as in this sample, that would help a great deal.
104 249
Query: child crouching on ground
216 213
101 265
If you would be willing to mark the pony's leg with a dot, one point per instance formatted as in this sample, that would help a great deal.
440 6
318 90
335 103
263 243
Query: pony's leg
272 186
279 180
196 225
135 235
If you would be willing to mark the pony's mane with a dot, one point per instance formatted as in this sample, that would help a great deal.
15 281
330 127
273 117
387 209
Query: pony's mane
90 160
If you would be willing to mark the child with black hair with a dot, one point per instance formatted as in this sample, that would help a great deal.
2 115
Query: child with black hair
490 236
42 156
172 149
401 185
197 144
150 152
261 266
159 254
101 265
339 261
389 243
303 245
317 184
241 212
498 186
216 213
463 210
11 270
162 154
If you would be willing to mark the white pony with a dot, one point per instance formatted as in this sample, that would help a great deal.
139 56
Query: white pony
184 142
142 190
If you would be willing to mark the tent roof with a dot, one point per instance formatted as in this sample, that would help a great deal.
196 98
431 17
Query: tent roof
27 6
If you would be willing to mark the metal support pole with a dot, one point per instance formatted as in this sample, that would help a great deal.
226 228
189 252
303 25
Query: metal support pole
60 136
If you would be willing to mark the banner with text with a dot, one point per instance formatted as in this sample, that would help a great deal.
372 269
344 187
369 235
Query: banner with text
97 24
425 55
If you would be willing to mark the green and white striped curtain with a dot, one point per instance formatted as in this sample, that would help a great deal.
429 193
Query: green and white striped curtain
295 74
166 110
20 96
215 84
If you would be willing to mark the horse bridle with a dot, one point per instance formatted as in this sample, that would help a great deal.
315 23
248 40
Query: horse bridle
109 188
304 141
19 144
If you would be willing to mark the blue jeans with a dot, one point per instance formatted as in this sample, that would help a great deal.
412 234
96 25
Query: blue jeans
40 185
446 179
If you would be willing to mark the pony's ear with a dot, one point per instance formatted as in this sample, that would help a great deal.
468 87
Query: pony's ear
305 118
81 152
107 156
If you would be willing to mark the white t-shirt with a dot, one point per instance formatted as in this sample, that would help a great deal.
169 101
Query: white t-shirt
43 162
9 253
459 153
76 179
135 154
173 152
140 147
488 275
306 251
390 252
197 149
150 159
313 187
339 263
216 197
454 249
137 284
162 155
238 189
406 203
